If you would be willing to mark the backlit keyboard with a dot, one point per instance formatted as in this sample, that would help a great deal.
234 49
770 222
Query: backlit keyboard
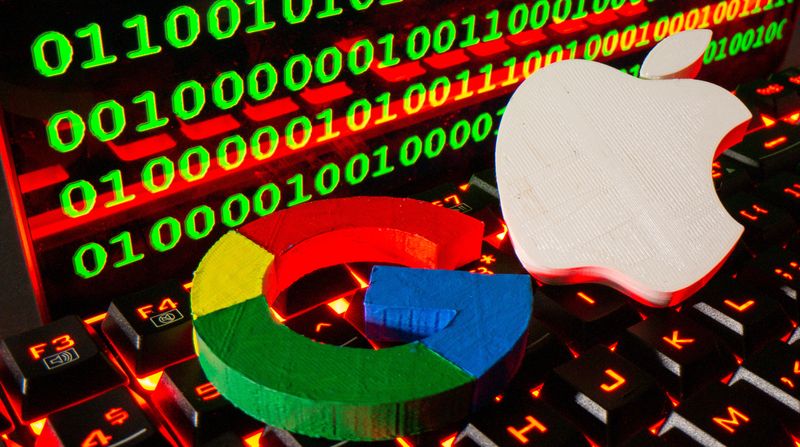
600 370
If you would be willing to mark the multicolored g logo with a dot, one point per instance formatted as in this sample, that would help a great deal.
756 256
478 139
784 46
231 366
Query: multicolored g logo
465 333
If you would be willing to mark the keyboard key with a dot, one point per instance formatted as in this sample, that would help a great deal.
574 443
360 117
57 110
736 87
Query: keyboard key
679 353
607 396
194 409
774 371
151 329
325 325
730 416
769 150
113 418
783 189
745 320
586 314
773 96
523 420
543 353
729 177
763 222
317 287
777 272
485 181
47 368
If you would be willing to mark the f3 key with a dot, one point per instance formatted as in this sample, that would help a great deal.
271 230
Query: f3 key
47 368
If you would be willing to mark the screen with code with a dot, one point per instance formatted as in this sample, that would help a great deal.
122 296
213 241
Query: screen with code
134 134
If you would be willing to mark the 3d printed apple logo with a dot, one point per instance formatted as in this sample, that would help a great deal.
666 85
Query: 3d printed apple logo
606 178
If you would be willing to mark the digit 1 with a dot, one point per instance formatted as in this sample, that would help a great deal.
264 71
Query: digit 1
389 59
327 120
580 10
139 23
148 98
117 187
383 161
486 70
384 99
299 192
465 90
644 41
470 38
511 64
128 256
95 36
260 15
493 17
573 49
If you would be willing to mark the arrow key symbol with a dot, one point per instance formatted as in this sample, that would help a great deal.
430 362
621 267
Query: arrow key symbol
324 325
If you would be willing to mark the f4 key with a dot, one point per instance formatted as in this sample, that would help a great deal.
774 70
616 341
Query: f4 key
50 367
151 329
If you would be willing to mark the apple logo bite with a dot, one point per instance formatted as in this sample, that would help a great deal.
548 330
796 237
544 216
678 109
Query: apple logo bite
606 178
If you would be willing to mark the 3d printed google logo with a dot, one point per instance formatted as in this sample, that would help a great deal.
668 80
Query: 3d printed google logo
465 332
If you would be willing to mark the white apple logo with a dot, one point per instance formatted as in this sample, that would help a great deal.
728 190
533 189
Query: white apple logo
606 178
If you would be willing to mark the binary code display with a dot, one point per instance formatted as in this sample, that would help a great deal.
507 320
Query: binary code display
136 134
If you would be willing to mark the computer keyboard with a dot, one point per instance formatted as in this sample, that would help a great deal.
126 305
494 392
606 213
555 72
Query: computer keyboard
600 370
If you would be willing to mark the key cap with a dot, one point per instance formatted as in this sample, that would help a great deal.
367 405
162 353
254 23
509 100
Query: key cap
775 371
193 407
769 150
113 418
151 329
607 396
543 353
764 223
585 314
520 420
773 96
776 272
485 181
325 325
729 177
679 353
783 189
318 287
730 416
462 199
47 368
745 320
